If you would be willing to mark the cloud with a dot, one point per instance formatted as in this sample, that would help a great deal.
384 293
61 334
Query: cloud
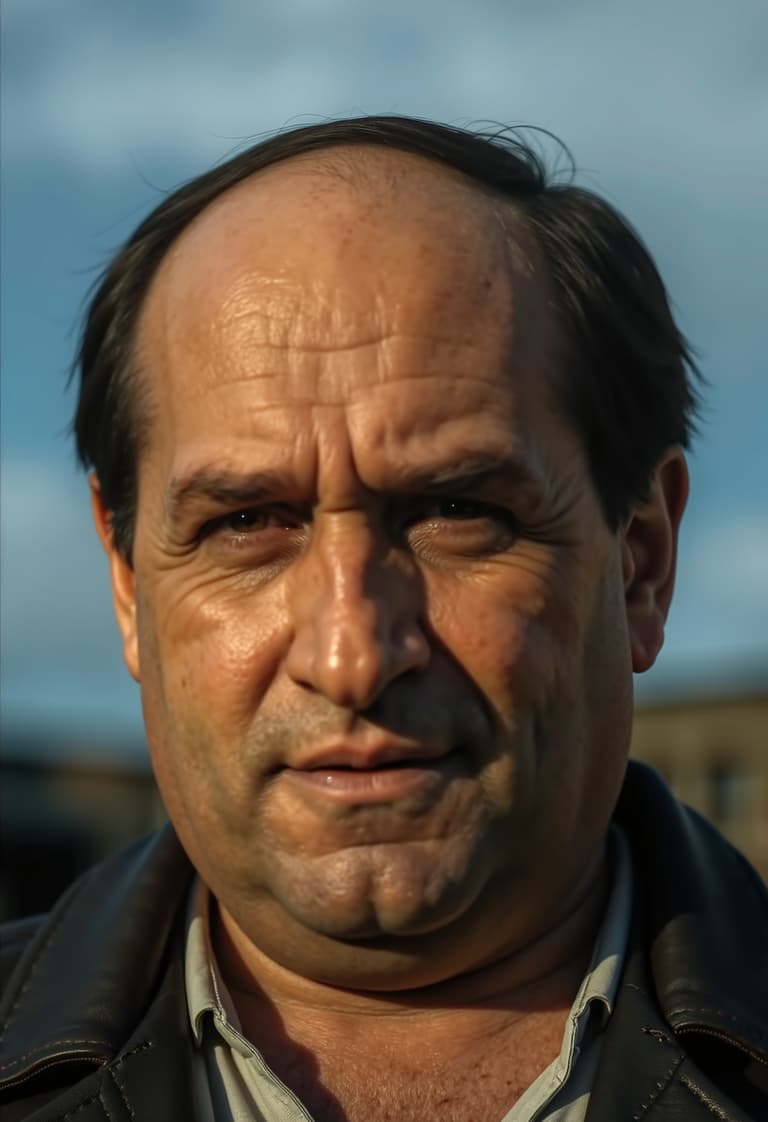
55 593
663 105
97 85
720 603
61 658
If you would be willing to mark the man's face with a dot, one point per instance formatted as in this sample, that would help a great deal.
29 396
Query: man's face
375 611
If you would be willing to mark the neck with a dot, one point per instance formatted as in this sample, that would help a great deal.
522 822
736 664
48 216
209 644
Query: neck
518 983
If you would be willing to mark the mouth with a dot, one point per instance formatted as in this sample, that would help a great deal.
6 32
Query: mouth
349 756
347 776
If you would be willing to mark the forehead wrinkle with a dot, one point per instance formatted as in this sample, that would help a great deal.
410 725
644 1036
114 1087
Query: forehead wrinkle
483 262
496 261
307 317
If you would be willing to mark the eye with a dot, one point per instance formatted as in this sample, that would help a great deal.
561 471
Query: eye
253 520
459 525
460 509
452 509
245 521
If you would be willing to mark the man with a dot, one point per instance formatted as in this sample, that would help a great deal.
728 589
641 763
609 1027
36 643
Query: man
386 434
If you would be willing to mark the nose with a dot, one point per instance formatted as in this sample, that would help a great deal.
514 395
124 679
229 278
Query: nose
356 608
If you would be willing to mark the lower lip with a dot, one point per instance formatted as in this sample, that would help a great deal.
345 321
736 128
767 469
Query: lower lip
373 785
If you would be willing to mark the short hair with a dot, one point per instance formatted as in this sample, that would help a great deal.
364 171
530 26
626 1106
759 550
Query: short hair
629 383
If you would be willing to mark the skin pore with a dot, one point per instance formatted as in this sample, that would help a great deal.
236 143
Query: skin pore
383 634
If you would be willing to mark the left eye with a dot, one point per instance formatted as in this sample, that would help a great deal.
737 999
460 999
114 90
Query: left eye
459 509
437 525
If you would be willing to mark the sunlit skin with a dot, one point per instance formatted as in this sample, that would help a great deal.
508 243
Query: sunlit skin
384 635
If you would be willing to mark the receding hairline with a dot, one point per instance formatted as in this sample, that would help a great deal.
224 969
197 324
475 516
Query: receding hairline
376 168
341 164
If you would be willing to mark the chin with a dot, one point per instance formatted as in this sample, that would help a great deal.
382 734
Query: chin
373 892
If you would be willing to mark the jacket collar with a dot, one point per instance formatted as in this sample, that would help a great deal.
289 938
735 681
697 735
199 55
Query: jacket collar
706 917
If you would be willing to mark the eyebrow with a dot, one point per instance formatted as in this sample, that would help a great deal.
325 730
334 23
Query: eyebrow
230 488
474 471
225 488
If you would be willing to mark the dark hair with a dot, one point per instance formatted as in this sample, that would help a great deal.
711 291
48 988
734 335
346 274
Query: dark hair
628 382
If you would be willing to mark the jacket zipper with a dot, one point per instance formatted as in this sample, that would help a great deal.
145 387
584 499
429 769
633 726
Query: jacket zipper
705 1030
56 1061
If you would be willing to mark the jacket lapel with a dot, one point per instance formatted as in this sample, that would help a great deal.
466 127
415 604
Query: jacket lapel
640 1057
153 1075
151 1078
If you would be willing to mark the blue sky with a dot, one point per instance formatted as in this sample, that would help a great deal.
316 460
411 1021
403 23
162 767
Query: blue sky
105 105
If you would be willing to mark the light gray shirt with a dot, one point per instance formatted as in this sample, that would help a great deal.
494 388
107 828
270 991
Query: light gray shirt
234 1084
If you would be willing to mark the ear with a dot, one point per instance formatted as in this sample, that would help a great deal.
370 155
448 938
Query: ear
122 577
649 556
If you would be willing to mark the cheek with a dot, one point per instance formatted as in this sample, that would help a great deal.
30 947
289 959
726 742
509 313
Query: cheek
206 663
207 650
608 682
526 636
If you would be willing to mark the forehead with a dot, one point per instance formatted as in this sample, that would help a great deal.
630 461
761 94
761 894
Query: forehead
370 280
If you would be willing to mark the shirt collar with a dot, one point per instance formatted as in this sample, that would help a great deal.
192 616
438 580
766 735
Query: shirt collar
601 980
206 990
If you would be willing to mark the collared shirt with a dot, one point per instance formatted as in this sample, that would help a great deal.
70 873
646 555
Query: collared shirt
234 1084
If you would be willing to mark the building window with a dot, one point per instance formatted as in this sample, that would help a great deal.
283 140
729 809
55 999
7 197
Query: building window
728 791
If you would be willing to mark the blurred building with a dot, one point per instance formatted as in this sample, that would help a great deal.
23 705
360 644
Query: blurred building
62 811
60 814
714 752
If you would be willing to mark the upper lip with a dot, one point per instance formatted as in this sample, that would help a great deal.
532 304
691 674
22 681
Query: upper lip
348 754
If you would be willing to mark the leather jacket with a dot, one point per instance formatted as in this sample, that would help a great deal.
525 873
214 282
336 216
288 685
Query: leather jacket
95 1019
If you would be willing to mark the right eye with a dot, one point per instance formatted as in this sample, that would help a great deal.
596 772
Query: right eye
246 521
253 520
